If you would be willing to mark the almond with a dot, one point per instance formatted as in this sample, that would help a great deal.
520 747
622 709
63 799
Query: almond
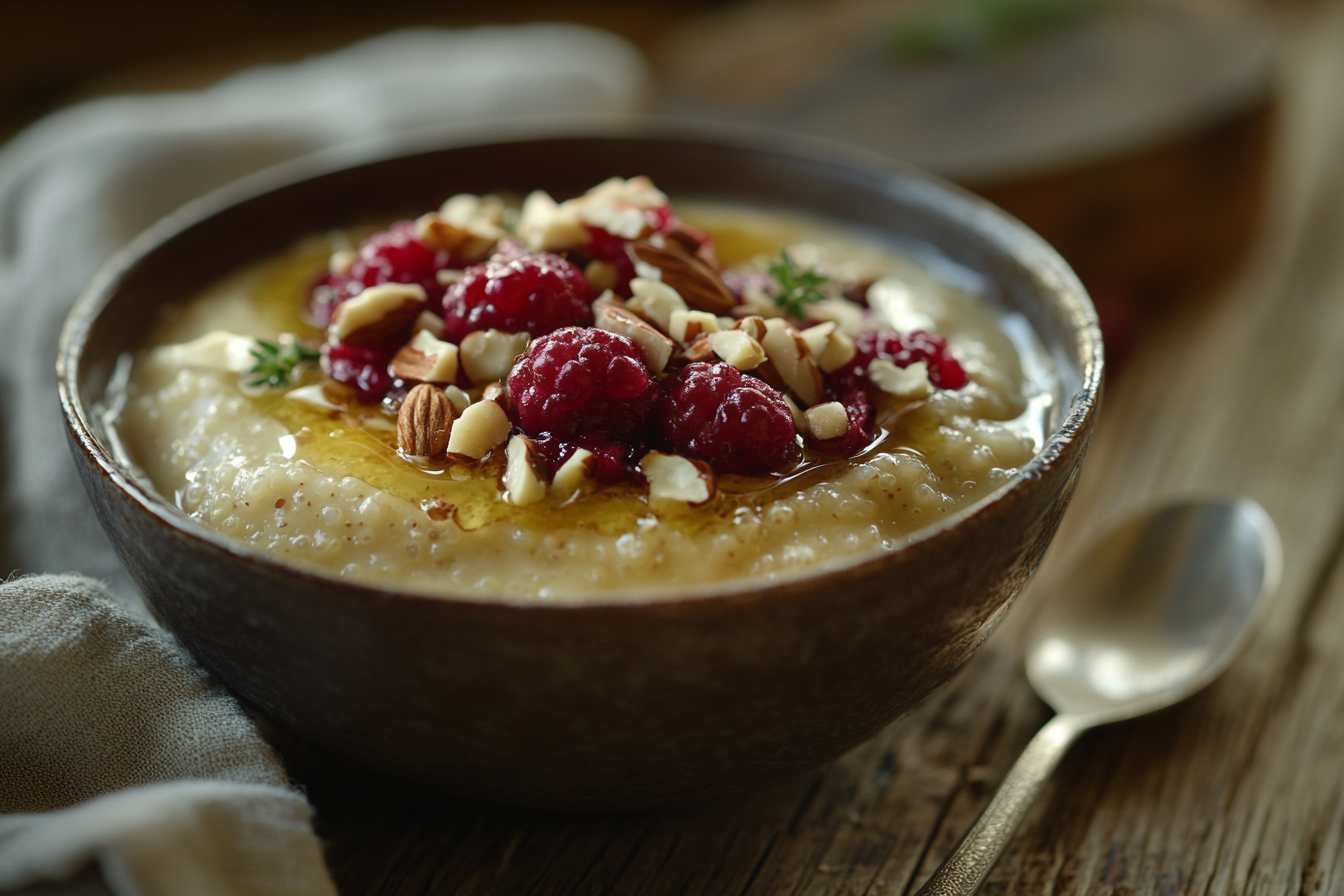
482 427
545 225
793 362
827 421
459 398
471 242
849 316
523 485
686 326
738 349
908 383
799 418
654 301
675 478
698 284
656 347
699 350
423 422
426 359
378 315
428 322
488 355
830 346
753 325
574 474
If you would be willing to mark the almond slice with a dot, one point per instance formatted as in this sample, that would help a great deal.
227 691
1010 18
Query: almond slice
488 355
793 362
656 347
738 349
849 316
686 326
574 474
426 359
699 350
698 284
753 325
829 345
523 485
423 422
379 314
654 301
827 421
909 383
482 427
675 478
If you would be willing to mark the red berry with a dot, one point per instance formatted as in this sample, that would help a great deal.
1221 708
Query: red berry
738 423
518 293
365 369
395 255
945 371
582 381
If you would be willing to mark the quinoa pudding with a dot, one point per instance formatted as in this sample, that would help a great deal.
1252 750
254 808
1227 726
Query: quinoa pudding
559 400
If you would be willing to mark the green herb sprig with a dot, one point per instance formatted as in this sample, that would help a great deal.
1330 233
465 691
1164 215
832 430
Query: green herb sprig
276 362
798 286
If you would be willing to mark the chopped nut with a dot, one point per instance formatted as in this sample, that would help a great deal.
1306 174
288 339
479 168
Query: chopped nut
545 225
675 478
685 326
471 210
468 241
699 350
574 474
497 393
698 284
426 359
902 382
482 426
600 275
341 261
378 315
793 362
654 301
848 316
459 398
428 322
423 422
488 355
657 348
618 206
827 421
738 349
522 484
753 325
799 418
829 345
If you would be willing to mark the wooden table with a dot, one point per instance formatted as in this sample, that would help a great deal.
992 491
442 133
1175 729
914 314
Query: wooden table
1241 790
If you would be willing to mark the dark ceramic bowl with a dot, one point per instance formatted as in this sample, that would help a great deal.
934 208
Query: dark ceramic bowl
625 702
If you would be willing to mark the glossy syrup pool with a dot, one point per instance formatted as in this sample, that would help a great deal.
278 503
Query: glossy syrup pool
360 441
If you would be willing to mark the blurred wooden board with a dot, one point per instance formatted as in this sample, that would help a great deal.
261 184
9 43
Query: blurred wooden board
1239 791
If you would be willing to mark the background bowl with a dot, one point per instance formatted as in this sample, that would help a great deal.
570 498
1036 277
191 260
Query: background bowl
625 702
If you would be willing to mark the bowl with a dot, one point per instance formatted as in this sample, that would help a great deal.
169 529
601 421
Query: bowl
627 701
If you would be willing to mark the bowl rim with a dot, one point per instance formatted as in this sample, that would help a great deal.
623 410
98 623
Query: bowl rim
958 206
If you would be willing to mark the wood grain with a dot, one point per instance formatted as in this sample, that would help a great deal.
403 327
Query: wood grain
1241 790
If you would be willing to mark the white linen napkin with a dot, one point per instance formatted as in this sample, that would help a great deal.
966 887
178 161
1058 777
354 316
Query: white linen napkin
122 767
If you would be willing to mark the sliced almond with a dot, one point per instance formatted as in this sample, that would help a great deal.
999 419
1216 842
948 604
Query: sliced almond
698 284
686 326
799 418
523 485
675 478
574 474
908 383
699 350
849 316
458 397
600 275
488 355
423 422
482 427
738 349
656 347
753 325
426 359
544 224
829 345
428 322
378 315
827 421
654 301
793 362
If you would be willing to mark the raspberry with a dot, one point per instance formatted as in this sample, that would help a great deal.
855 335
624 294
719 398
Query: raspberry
519 293
738 423
394 255
918 345
582 381
365 369
859 409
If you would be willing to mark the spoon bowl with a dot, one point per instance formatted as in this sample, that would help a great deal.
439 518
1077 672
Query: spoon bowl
1154 610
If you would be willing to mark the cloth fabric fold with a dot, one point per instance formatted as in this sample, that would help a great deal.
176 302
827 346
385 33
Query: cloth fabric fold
122 766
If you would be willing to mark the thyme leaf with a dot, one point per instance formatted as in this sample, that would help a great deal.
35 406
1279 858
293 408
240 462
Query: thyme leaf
798 286
275 362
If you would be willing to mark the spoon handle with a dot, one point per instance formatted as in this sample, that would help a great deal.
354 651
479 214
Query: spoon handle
965 870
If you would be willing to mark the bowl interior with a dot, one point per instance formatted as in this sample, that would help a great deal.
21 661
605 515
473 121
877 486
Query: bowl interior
265 214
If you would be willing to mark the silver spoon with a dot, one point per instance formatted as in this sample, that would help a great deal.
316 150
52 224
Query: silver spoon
1153 612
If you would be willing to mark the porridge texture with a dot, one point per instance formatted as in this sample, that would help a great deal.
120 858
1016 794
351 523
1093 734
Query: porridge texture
801 396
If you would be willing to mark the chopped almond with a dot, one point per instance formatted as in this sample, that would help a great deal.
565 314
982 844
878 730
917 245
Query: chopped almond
793 362
655 301
482 427
488 355
685 326
675 478
908 383
738 349
574 474
656 347
827 421
523 485
426 359
378 315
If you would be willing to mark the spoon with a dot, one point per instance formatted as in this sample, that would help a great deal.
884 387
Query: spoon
1155 610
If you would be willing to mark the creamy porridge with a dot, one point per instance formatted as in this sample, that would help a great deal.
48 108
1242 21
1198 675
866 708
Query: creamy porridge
553 400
